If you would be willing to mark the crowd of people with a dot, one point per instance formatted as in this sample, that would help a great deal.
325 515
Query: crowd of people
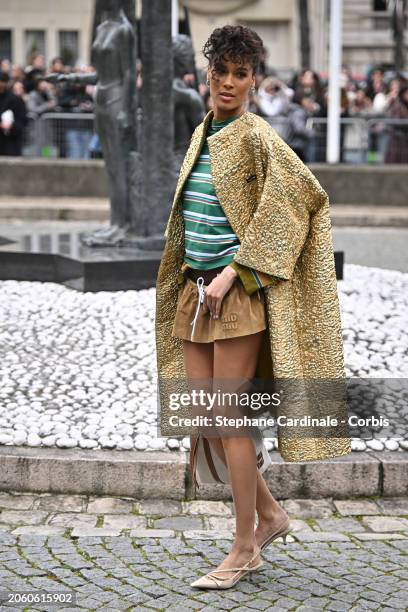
296 108
29 94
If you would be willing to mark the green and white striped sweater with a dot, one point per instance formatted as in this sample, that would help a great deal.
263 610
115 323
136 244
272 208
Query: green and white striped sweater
209 239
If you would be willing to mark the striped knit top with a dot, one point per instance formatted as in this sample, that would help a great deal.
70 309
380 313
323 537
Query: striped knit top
209 239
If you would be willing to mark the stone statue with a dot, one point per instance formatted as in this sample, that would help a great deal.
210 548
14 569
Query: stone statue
189 107
113 54
136 207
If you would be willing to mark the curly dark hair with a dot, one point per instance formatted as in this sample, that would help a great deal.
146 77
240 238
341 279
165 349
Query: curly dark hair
236 43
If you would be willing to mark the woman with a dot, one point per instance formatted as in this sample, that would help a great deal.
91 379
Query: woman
308 84
246 280
397 151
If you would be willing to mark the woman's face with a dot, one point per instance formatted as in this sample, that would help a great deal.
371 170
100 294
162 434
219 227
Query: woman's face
18 89
5 65
307 79
378 76
17 73
44 86
39 62
233 79
57 66
395 85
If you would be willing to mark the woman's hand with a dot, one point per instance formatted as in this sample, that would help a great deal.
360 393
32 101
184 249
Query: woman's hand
216 290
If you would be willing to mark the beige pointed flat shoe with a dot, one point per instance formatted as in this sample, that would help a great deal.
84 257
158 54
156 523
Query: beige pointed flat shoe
213 581
282 532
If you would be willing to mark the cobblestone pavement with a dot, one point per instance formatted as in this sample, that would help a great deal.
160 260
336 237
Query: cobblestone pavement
124 554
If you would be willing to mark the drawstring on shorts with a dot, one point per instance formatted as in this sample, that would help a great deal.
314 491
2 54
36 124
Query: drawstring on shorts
200 289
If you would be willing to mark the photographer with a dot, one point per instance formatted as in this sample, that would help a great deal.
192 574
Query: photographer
273 97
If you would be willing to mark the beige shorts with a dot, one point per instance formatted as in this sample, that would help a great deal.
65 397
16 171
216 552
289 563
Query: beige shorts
241 314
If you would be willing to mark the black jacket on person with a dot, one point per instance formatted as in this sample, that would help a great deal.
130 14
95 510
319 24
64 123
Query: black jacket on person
12 142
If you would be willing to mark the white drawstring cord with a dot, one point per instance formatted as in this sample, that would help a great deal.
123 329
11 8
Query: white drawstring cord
200 301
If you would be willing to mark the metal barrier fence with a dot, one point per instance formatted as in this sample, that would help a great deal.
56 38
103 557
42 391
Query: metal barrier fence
67 135
362 140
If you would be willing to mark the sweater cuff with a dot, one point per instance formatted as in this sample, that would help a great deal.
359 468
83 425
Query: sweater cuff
251 278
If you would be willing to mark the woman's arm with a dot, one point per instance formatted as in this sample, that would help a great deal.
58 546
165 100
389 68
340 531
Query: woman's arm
35 104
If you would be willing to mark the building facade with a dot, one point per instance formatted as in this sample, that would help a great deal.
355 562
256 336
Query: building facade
276 23
367 34
54 27
51 27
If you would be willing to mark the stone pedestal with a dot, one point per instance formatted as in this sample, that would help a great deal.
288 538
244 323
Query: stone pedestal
60 257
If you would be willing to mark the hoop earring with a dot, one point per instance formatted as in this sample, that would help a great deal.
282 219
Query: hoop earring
208 82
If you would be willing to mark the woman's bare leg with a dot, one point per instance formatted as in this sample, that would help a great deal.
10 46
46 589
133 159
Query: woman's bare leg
199 363
235 359
270 512
198 359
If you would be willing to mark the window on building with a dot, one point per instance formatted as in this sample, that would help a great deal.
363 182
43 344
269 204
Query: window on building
5 45
380 5
34 43
69 46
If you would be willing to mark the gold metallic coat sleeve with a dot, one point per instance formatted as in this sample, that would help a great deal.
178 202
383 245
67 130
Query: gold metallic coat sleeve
278 230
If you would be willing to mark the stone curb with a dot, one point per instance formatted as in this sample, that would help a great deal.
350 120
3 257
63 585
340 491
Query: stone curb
160 474
54 209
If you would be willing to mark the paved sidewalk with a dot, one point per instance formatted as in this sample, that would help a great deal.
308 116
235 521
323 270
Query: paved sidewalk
124 554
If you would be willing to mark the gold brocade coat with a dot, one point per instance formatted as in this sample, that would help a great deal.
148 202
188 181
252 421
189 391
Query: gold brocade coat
282 221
